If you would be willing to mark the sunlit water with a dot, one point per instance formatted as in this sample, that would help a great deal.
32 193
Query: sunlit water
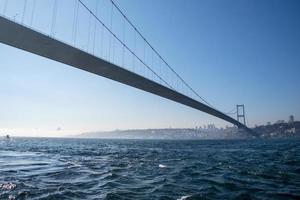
34 168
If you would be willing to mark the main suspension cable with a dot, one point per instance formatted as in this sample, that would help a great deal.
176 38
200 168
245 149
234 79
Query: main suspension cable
146 41
124 44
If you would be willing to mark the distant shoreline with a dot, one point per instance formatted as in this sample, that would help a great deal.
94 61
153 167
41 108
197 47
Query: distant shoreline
277 130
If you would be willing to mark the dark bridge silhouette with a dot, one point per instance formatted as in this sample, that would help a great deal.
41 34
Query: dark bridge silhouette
23 37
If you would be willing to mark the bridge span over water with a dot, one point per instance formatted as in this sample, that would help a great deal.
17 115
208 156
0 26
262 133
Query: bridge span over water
20 35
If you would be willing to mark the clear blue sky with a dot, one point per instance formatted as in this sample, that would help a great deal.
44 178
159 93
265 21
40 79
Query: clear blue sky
231 52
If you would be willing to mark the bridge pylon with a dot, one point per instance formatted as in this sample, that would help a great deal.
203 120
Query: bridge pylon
240 113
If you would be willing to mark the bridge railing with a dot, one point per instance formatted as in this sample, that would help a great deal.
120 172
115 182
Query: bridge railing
100 28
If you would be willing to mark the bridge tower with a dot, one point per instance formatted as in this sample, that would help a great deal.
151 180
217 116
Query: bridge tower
240 113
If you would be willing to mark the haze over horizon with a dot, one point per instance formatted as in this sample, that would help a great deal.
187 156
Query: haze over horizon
230 52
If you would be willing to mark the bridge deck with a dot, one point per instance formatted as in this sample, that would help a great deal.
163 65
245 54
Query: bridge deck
24 38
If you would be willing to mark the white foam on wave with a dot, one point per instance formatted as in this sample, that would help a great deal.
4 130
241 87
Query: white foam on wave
8 186
162 166
184 197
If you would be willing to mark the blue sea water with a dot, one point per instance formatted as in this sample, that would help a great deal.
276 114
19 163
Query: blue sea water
35 168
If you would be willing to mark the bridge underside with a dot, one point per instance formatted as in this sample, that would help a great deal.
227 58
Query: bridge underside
24 38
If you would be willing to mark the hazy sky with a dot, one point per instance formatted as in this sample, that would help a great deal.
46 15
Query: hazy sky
231 52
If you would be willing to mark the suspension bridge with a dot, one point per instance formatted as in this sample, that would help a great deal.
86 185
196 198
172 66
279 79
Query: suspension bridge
97 37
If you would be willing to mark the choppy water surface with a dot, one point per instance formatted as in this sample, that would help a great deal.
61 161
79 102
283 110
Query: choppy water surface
32 168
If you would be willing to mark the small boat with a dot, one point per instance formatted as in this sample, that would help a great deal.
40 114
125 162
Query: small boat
7 137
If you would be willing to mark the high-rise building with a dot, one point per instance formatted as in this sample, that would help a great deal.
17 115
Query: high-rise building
291 119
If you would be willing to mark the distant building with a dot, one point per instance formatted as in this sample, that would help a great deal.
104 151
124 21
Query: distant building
280 122
291 119
211 126
291 131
